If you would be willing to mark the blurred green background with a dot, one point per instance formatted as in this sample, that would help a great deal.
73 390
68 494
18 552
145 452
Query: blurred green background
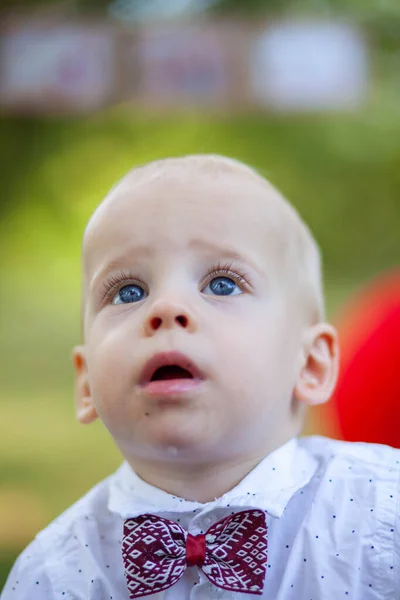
342 171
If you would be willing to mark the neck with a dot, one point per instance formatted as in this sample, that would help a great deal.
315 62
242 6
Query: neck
199 483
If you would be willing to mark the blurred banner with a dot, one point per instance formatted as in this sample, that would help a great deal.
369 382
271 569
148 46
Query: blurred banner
184 65
57 67
310 65
303 65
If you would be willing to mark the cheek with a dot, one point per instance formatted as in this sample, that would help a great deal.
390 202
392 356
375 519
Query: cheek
255 351
110 361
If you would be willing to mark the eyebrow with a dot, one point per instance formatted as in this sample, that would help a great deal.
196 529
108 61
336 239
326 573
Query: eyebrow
227 252
117 263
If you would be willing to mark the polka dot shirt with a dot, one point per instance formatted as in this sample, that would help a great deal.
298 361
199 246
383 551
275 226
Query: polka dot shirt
333 530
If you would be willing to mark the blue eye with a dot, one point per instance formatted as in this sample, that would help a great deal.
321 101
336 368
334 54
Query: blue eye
129 293
222 286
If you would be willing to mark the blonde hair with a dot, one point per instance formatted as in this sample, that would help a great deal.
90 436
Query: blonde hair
301 256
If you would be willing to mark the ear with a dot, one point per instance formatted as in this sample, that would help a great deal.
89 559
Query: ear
85 410
317 378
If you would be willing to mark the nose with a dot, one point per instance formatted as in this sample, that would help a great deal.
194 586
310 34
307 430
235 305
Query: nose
169 315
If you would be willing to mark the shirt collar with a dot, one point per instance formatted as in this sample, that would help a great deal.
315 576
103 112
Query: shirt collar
269 487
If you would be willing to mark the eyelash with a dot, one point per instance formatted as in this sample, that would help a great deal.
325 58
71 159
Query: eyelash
228 269
117 281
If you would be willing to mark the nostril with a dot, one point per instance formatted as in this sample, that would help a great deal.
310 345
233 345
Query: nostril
182 320
155 323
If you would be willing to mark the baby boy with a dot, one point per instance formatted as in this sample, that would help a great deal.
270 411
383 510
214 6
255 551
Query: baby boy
204 343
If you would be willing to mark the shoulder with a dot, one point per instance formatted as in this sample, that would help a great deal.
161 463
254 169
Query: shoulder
353 498
366 472
45 567
92 507
368 475
357 486
379 458
360 476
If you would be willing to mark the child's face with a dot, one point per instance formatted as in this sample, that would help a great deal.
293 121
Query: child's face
194 268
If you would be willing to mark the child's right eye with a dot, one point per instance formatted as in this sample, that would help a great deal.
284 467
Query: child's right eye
128 294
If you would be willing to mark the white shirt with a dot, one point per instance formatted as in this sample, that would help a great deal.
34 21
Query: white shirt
332 511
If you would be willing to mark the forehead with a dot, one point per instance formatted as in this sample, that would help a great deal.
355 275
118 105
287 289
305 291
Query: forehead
172 213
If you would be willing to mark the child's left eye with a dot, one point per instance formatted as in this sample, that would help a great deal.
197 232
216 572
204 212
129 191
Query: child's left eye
222 286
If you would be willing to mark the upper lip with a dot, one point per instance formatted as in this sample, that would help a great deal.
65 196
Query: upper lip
164 359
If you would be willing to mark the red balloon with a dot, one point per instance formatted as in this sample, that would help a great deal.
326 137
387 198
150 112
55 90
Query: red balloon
366 404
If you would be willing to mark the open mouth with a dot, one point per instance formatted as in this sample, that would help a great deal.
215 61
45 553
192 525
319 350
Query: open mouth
168 372
170 366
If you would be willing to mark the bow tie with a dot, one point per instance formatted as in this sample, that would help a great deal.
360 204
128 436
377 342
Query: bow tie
232 553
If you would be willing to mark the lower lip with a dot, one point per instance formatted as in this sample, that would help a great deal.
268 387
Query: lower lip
171 387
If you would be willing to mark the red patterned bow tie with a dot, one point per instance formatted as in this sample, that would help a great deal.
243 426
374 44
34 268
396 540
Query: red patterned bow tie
232 553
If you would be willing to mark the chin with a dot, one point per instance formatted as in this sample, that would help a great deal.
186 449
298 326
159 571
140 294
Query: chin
183 441
173 443
168 435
